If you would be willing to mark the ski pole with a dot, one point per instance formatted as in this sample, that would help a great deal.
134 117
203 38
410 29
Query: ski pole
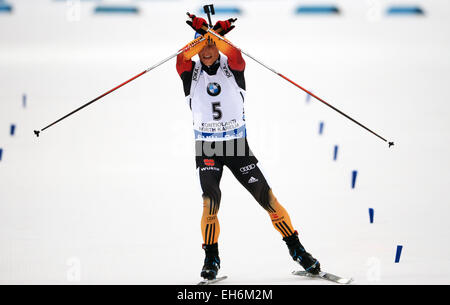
300 87
187 47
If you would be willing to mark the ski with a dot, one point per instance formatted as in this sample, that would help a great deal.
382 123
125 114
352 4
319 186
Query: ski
208 282
326 276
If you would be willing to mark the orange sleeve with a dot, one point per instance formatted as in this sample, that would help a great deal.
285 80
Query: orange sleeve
235 59
184 62
191 52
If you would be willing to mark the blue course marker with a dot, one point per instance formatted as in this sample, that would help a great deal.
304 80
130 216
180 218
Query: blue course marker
1 153
110 9
12 129
5 8
371 214
308 97
321 127
317 10
398 253
354 174
335 153
228 10
405 11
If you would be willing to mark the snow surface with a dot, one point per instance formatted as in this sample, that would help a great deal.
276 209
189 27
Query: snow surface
110 195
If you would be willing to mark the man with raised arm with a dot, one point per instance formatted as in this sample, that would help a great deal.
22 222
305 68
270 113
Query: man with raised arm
214 88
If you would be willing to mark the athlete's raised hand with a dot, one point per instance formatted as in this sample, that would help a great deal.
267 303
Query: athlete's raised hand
224 26
198 24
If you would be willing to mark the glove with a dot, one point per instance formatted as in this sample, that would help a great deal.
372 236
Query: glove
224 26
197 23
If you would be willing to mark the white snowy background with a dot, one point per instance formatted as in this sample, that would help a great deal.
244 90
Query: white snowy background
110 195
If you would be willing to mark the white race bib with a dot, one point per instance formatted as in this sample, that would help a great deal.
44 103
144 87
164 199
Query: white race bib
217 104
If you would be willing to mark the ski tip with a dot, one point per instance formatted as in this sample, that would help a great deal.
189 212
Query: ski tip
342 281
346 281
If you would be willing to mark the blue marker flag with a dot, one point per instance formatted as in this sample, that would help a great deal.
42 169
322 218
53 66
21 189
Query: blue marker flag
398 253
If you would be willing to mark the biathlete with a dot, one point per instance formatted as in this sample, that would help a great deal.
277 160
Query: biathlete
214 87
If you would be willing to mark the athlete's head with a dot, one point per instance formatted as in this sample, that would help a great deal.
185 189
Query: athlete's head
209 54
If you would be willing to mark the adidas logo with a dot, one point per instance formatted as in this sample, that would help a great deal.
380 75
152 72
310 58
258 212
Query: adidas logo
252 180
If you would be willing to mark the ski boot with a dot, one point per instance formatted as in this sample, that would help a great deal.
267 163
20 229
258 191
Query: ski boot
212 262
298 253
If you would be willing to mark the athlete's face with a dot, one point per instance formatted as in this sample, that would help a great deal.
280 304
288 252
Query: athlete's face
209 54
